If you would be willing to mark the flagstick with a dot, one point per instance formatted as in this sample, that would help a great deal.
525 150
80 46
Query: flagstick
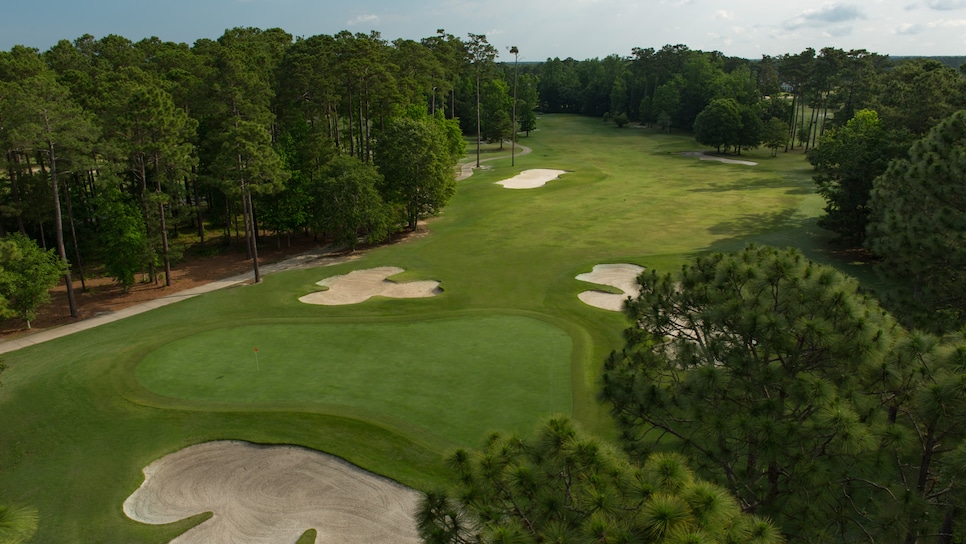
256 360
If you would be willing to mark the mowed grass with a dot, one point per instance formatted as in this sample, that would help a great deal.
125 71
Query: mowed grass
84 414
487 371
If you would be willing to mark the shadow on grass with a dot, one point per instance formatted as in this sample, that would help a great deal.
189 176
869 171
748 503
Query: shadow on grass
788 229
752 183
747 225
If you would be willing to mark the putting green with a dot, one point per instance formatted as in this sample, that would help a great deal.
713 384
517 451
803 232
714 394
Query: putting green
459 377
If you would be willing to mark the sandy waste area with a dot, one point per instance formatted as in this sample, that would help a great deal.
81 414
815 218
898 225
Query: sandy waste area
361 285
531 179
621 276
272 494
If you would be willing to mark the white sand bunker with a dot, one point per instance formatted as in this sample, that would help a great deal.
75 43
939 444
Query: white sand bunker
263 494
361 285
531 179
706 157
621 276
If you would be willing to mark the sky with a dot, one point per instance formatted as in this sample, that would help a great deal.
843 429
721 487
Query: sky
540 29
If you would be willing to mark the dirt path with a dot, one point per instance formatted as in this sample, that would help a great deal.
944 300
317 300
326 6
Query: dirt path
194 280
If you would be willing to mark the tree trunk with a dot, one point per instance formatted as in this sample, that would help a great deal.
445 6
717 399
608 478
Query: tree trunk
338 133
253 243
946 531
163 226
59 229
73 236
362 134
14 157
227 222
352 140
145 212
368 119
198 217
479 132
246 222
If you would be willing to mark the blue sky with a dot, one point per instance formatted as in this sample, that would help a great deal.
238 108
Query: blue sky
540 28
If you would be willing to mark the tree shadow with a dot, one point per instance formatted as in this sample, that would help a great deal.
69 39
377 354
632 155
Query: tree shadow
787 228
754 183
751 224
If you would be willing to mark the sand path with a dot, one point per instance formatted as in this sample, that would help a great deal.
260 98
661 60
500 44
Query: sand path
621 276
272 494
361 285
706 157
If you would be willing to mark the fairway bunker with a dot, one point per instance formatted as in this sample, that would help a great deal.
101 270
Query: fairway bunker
531 179
705 157
262 494
621 276
361 285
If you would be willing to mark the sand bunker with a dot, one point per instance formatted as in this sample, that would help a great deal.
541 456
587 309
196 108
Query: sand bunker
361 285
706 157
531 179
263 494
621 276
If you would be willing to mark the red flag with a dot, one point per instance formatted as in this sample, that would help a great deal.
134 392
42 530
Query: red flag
256 350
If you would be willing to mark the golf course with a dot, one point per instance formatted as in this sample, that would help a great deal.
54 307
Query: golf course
388 384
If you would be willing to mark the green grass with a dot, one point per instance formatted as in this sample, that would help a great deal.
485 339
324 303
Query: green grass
488 371
391 385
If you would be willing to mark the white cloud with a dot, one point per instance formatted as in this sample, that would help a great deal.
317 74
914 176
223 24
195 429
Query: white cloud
363 20
828 14
722 14
839 32
946 5
948 23
909 29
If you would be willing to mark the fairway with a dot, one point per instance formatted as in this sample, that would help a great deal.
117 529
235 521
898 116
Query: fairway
493 372
392 385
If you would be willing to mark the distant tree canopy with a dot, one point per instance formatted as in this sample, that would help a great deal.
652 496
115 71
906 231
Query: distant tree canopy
821 87
233 135
718 124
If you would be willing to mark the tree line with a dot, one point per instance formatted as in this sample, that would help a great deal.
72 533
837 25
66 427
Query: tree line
806 92
142 141
121 154
854 113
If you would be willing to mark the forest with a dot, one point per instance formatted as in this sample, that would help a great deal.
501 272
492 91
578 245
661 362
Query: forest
121 157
